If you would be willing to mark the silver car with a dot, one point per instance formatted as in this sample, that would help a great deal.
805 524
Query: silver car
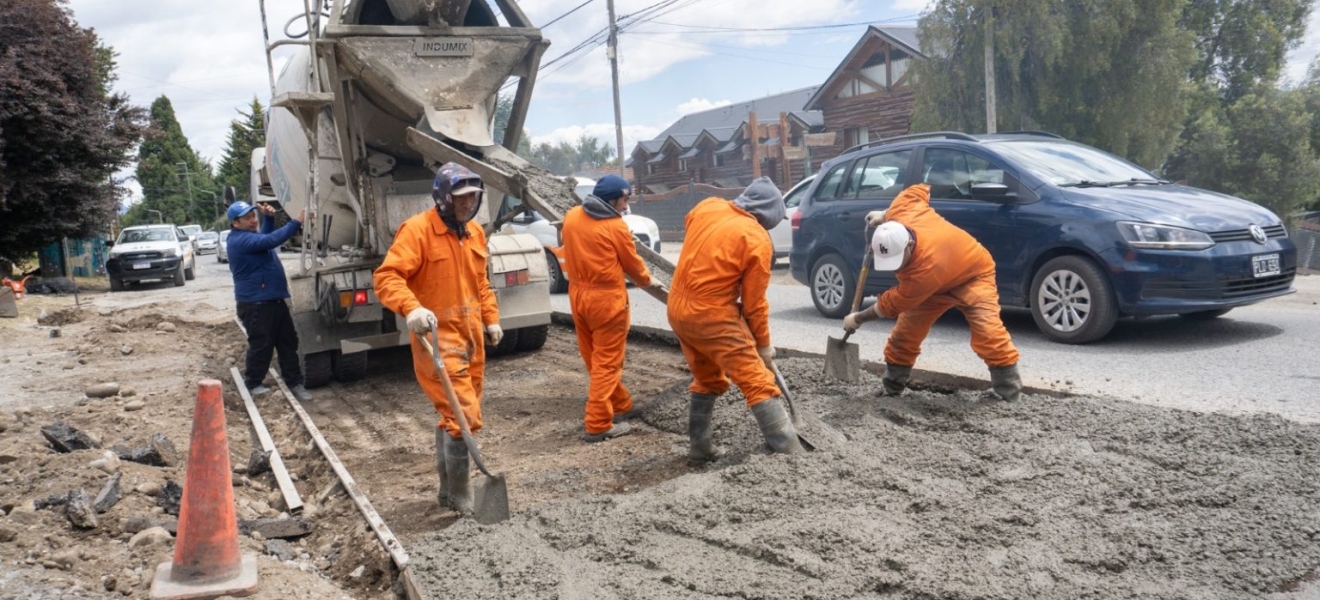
222 247
207 241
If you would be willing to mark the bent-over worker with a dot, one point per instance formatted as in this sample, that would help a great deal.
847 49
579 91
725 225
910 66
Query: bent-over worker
435 275
598 252
939 267
726 257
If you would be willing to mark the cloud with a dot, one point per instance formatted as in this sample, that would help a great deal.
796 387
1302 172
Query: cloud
697 105
912 6
601 131
1299 60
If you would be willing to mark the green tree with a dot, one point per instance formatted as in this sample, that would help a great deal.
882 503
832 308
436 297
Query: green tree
565 158
1110 73
1258 148
245 135
1243 44
62 135
166 162
503 111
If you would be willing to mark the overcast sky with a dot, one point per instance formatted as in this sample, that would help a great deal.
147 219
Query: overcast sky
207 57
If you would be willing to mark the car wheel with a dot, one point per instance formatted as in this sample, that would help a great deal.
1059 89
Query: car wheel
318 369
832 286
506 345
116 284
1072 301
179 276
350 367
1205 315
558 283
532 338
191 272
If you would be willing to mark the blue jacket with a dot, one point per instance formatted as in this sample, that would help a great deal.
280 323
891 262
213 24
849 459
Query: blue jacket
258 273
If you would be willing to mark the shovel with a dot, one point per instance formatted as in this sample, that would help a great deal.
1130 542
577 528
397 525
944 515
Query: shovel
814 433
491 496
842 361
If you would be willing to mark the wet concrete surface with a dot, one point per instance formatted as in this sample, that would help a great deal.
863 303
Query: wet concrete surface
935 496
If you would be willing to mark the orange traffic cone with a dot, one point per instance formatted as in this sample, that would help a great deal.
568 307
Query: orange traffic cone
207 563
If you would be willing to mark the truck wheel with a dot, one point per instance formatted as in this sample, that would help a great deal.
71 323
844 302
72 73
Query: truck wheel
318 368
1072 301
532 338
179 276
558 283
191 272
832 286
506 345
350 367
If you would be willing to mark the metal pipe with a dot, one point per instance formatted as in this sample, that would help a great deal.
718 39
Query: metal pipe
265 36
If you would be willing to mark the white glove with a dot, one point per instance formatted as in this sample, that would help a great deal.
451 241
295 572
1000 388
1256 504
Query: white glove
495 334
767 354
851 322
875 218
421 320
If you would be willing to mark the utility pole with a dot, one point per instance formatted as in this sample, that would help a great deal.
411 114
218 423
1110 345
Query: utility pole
188 176
613 53
991 114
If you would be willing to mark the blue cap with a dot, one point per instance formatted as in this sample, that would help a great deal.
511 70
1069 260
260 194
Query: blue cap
610 187
238 209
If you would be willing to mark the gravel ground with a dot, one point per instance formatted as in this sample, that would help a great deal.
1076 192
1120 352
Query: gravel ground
935 496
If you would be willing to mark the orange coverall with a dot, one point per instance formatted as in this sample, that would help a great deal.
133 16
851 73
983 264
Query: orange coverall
597 253
948 269
428 266
726 255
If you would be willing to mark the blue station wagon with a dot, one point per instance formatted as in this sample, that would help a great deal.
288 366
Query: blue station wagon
1079 236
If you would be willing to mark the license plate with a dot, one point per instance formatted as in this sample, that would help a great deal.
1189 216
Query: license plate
1265 265
141 265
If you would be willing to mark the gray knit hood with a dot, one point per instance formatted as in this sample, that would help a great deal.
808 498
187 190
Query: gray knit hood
764 201
599 209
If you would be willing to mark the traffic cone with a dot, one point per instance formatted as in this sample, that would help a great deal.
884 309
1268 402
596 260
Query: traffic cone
206 562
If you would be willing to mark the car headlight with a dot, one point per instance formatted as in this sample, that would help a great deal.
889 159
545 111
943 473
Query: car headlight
1163 237
171 252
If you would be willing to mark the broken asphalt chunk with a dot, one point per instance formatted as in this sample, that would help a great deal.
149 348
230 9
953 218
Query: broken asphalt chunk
79 510
258 463
110 494
170 496
274 528
65 438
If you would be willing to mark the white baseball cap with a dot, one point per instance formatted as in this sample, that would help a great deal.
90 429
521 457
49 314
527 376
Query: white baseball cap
888 244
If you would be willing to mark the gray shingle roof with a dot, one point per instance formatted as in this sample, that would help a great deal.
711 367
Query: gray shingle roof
723 122
903 36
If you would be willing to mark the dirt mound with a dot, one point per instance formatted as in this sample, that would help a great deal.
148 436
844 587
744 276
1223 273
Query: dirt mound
936 495
63 317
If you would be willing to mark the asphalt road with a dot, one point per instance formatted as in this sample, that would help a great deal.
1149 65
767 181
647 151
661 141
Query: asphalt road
1260 358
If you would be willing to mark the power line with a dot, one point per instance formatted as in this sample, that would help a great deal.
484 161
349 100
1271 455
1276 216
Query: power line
575 9
705 29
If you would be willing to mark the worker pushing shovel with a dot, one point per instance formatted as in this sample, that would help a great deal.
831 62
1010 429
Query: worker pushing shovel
435 275
939 267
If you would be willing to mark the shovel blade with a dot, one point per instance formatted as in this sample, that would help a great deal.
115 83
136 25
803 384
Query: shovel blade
842 361
492 500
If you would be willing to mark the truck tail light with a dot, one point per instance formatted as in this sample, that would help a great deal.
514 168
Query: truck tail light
354 297
796 221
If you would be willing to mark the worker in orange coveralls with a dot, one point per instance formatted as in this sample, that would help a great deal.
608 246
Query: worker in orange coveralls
598 251
939 267
726 257
435 275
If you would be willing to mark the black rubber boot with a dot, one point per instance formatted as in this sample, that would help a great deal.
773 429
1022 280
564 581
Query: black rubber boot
443 496
1006 383
701 449
777 427
895 379
456 467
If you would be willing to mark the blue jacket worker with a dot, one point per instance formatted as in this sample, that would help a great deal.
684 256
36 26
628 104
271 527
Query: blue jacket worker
262 294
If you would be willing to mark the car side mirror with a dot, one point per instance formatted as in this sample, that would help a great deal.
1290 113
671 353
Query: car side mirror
994 192
230 195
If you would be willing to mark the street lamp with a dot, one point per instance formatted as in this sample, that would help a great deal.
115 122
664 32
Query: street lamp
215 198
159 217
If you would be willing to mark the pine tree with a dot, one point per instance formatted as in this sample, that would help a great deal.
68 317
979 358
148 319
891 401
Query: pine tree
163 159
245 135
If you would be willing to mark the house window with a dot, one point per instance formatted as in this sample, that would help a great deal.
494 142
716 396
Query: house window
652 169
856 136
719 160
682 165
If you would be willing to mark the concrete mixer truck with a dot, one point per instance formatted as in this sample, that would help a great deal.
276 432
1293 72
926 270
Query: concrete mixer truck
376 94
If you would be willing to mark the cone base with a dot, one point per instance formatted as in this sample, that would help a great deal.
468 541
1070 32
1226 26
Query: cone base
243 584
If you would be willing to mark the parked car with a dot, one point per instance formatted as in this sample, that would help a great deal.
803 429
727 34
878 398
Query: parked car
222 247
192 231
147 252
643 229
782 234
207 241
1079 236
